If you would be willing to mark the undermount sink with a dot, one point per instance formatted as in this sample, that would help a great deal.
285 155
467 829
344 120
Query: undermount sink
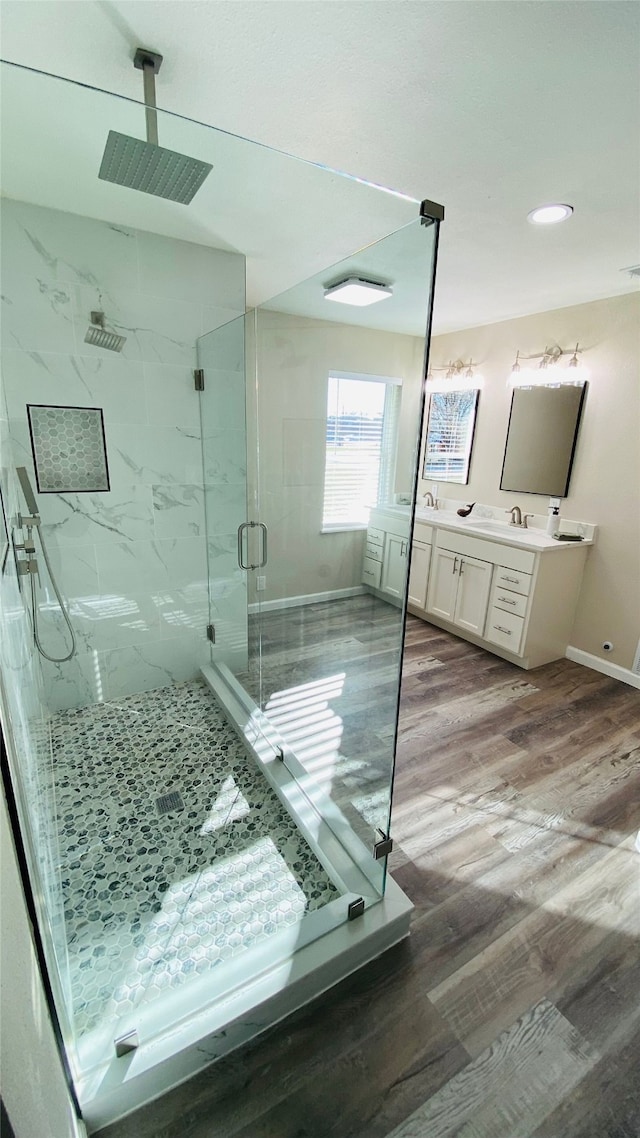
497 527
509 533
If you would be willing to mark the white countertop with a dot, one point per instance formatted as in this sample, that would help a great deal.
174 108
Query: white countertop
486 528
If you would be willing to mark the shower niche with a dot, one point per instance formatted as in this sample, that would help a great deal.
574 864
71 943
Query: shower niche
203 783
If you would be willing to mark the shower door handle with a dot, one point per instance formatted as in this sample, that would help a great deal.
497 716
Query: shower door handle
241 528
263 560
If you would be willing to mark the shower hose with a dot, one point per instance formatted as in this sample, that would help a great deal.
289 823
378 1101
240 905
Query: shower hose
63 609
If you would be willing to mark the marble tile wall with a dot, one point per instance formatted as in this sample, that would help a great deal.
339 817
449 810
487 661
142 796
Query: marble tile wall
133 561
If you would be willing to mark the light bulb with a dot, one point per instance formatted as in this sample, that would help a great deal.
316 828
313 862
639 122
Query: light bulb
549 214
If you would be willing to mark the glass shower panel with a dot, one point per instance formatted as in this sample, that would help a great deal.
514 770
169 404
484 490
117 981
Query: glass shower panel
26 728
146 836
330 464
231 542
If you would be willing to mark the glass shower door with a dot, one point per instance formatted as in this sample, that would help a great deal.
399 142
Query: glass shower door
240 555
231 539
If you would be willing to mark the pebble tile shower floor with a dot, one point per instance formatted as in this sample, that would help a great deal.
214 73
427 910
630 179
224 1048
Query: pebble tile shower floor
153 896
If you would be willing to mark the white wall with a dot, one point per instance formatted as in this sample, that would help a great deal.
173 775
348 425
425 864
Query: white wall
605 482
131 561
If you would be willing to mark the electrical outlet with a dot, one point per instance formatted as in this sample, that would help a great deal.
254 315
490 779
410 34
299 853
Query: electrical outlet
261 584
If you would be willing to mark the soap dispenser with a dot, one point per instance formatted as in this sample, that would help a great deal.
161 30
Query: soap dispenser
553 520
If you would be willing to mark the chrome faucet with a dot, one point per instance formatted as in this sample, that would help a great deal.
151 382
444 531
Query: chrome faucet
517 519
428 500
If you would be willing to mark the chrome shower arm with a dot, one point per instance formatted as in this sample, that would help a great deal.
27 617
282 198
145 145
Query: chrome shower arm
148 62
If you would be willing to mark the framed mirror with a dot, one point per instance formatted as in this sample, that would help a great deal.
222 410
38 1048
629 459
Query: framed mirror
541 438
450 430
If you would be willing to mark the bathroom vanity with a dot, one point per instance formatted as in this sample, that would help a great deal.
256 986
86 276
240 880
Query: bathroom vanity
510 590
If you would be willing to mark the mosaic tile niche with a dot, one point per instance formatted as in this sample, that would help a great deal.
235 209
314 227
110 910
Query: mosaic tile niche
69 449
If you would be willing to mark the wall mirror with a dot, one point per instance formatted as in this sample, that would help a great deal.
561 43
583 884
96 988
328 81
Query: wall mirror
541 439
450 430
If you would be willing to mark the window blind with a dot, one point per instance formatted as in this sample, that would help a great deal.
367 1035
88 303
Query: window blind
362 432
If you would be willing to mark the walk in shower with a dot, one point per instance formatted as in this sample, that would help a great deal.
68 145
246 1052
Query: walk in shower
201 774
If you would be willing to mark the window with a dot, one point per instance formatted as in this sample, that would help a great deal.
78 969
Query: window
362 430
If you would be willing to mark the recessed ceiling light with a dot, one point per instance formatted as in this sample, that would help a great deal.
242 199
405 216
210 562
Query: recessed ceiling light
355 290
549 214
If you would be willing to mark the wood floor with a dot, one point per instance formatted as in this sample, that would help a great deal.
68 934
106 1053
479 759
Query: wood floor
513 1009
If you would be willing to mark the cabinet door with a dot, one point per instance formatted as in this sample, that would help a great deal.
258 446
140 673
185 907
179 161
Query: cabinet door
394 565
443 583
472 601
419 574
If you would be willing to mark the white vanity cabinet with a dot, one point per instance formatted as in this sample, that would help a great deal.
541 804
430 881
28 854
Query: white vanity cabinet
394 565
517 602
384 566
459 589
420 563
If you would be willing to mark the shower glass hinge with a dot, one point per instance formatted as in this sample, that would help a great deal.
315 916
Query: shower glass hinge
383 847
30 565
125 1044
356 908
211 633
198 378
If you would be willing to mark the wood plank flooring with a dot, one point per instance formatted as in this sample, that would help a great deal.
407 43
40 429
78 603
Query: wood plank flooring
512 1011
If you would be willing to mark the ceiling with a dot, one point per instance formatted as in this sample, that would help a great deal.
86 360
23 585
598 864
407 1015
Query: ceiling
488 107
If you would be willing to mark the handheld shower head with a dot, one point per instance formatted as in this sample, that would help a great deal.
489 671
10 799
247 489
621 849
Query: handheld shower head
27 490
101 337
145 166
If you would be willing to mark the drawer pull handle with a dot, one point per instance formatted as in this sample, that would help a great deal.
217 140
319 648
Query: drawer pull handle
514 580
506 601
455 564
507 631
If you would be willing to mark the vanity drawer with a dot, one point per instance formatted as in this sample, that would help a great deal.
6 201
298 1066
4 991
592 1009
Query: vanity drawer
514 580
508 601
371 570
505 629
375 543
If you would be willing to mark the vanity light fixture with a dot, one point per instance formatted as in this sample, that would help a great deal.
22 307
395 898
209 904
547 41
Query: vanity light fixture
549 214
356 290
549 370
457 376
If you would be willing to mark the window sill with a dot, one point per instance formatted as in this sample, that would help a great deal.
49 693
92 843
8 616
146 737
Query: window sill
351 527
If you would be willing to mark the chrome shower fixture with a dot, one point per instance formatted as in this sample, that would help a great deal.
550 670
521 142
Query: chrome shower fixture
101 337
146 166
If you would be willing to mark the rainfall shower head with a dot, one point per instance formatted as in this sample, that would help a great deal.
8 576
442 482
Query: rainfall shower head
145 166
101 337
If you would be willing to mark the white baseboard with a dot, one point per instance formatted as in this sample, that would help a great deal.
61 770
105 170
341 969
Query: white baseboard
599 665
307 599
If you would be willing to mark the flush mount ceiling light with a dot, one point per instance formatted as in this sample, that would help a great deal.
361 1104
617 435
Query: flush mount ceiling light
355 290
549 214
